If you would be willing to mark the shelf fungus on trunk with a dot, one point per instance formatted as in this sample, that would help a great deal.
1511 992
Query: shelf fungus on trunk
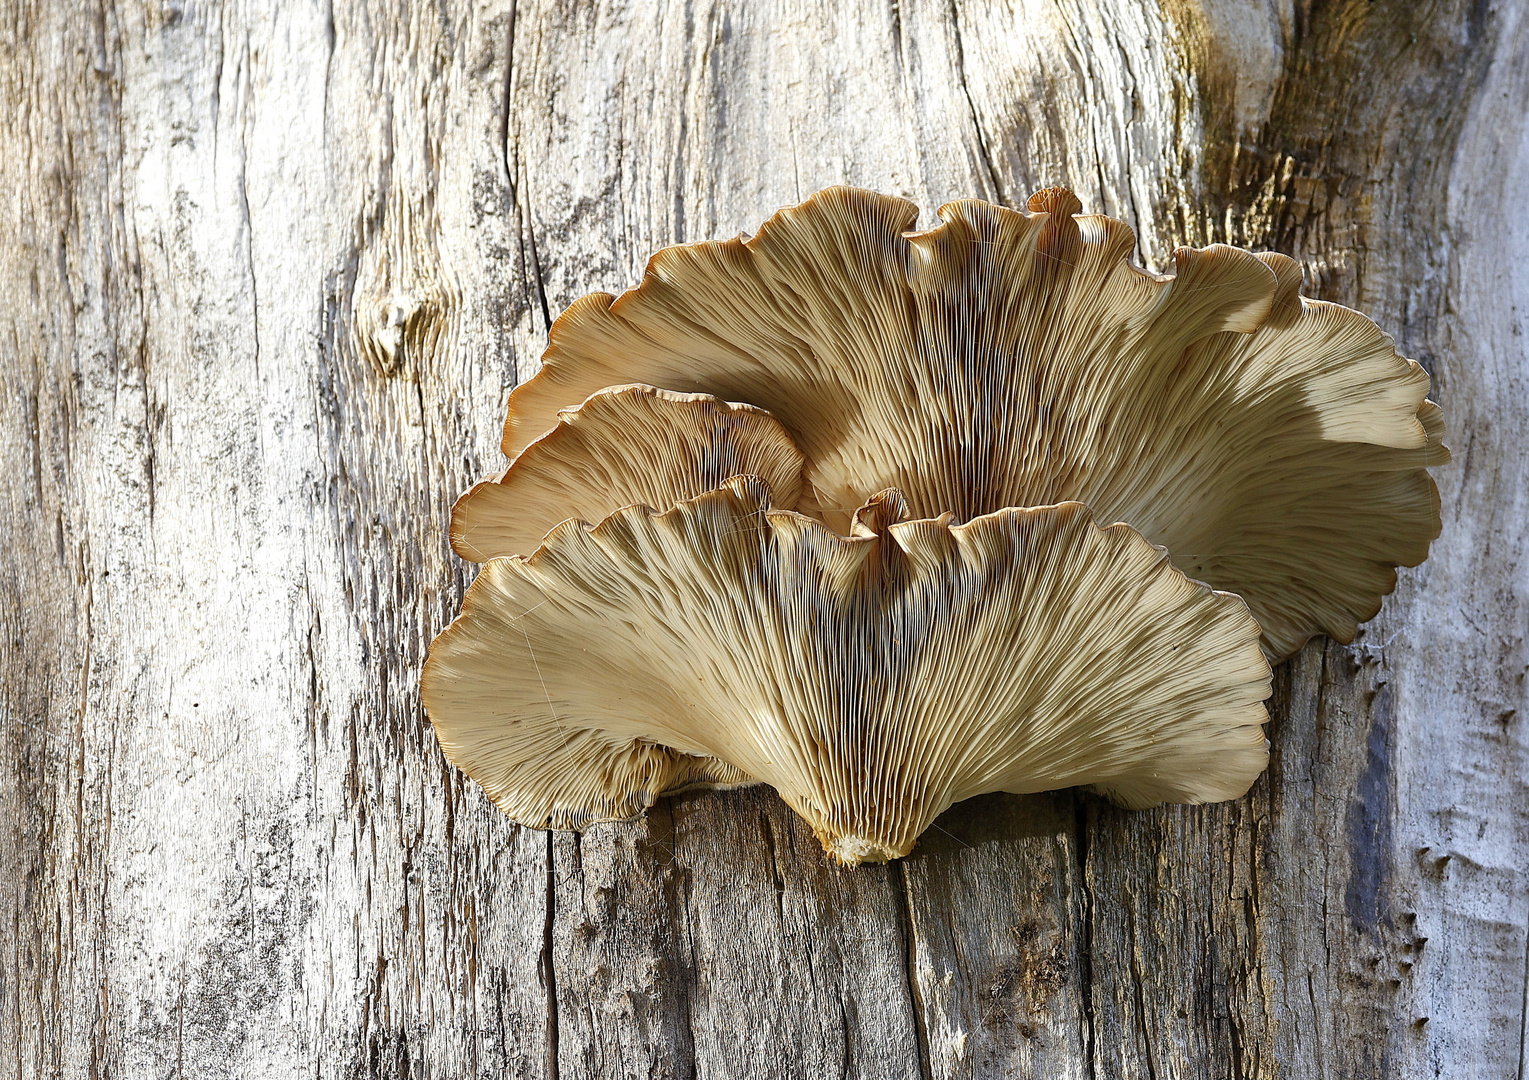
872 679
847 479
1276 446
624 445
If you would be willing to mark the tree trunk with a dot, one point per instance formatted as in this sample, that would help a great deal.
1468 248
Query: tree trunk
269 272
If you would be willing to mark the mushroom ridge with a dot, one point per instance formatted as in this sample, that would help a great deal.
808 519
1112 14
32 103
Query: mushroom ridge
1277 447
872 679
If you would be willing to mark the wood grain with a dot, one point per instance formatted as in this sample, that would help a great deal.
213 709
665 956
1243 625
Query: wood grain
269 272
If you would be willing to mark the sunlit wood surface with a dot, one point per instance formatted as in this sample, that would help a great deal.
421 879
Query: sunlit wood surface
267 273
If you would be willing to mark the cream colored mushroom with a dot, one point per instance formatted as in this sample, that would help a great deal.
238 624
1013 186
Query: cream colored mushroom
1276 446
624 445
873 679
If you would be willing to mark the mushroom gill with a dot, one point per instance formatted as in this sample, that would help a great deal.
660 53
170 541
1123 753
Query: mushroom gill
871 679
623 445
1276 446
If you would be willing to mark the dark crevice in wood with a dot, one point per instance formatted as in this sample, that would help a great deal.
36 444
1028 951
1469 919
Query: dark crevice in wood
1237 1023
844 1041
329 44
1086 934
508 100
1086 71
517 178
535 264
990 173
1316 1011
1137 222
548 967
774 863
1523 1017
895 9
681 138
679 941
901 898
249 248
1137 977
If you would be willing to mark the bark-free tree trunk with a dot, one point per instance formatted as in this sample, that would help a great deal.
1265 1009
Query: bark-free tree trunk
268 273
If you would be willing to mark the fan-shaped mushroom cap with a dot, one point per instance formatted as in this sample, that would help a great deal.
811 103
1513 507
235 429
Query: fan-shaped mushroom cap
1274 445
623 445
1322 493
872 680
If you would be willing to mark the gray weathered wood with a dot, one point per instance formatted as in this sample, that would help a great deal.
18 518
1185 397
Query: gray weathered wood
268 274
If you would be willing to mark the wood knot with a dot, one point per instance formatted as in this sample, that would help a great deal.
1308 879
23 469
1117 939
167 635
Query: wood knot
404 299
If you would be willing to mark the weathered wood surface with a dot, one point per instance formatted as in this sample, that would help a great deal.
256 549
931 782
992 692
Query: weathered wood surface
269 271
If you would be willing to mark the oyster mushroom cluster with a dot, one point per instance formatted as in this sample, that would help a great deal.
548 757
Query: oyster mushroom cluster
889 519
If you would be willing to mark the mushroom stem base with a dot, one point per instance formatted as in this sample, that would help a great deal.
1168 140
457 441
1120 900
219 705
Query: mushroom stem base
853 850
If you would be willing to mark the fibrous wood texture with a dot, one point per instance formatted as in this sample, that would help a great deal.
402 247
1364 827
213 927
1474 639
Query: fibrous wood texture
269 271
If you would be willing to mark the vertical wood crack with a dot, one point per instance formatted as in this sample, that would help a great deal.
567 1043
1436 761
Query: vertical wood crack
971 106
549 969
530 261
1523 1018
910 973
1086 949
504 105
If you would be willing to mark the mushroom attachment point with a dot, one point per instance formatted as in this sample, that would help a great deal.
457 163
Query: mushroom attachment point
1276 446
872 679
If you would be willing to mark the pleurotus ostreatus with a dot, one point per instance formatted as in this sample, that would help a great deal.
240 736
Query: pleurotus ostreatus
626 445
909 602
